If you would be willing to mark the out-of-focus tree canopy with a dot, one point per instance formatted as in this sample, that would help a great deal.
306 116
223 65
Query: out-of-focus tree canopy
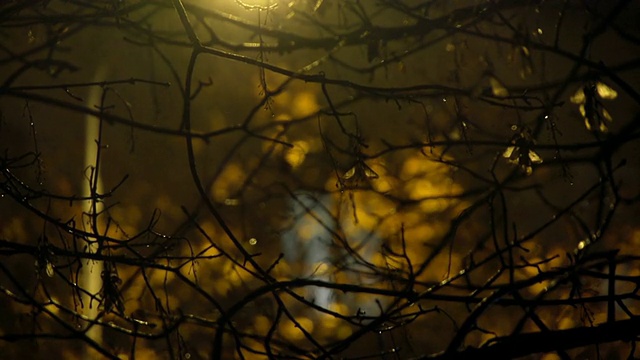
349 179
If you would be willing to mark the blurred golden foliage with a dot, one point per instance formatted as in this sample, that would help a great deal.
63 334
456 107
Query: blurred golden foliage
318 179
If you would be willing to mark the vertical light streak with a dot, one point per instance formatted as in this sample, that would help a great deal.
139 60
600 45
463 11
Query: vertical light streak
90 274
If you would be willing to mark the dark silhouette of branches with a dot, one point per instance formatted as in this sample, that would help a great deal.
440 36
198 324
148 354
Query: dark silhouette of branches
319 179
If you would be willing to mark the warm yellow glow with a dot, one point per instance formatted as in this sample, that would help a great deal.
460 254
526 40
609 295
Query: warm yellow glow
566 323
209 228
582 245
550 356
283 271
605 91
384 184
419 165
497 88
320 268
257 4
339 308
222 287
304 104
578 98
228 183
344 331
295 104
329 324
295 156
89 277
261 324
291 331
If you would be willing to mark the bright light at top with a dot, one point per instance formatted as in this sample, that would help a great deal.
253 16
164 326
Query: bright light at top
257 4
